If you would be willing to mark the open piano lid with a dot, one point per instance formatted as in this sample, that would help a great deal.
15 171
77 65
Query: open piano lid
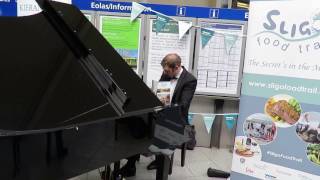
57 71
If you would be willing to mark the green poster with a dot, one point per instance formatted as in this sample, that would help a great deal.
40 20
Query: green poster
123 35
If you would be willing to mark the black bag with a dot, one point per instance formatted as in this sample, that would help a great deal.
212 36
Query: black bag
217 173
192 135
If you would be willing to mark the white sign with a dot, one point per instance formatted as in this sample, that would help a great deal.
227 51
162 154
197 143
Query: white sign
30 7
279 103
218 69
288 31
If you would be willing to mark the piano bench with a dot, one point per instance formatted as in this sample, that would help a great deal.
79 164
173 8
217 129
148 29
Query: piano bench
183 157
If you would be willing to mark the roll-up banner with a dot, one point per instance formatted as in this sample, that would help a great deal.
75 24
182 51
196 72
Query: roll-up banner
278 131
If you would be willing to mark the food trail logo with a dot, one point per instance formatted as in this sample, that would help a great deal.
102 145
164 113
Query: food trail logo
285 35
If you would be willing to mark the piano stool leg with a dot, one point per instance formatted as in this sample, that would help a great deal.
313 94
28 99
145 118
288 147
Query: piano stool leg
183 154
163 168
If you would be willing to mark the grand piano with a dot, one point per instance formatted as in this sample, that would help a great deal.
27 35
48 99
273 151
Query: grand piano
69 104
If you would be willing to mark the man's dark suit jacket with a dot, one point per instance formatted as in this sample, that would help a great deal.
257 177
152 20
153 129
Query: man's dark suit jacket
183 92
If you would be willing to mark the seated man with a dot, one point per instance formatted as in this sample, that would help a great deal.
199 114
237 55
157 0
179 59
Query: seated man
183 86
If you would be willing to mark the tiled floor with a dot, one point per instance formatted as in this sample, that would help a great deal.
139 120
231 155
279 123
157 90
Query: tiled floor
197 163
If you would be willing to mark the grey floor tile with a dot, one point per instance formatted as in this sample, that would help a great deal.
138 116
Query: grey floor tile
200 168
197 163
180 172
204 178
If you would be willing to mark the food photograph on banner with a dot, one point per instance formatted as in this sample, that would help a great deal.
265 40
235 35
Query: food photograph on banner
260 128
247 147
279 102
163 38
219 57
308 127
283 109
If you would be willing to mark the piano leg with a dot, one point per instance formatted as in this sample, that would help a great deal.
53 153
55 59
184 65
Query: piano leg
116 166
107 174
16 156
61 150
48 150
163 168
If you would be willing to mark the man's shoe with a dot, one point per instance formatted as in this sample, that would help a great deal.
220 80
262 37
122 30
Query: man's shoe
152 165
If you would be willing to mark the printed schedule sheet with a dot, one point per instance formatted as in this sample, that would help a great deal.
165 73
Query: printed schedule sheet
218 67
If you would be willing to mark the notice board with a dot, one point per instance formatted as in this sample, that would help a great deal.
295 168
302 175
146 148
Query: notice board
167 41
217 69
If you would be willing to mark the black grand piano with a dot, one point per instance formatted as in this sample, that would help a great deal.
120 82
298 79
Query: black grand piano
69 104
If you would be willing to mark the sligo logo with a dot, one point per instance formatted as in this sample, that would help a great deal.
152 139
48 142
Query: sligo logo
303 29
283 35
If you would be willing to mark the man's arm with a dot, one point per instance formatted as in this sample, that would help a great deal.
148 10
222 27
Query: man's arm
187 93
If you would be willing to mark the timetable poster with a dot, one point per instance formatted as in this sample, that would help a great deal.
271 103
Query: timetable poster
164 42
124 36
278 131
218 69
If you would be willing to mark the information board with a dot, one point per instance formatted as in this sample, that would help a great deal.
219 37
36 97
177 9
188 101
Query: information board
124 36
89 16
218 69
164 42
